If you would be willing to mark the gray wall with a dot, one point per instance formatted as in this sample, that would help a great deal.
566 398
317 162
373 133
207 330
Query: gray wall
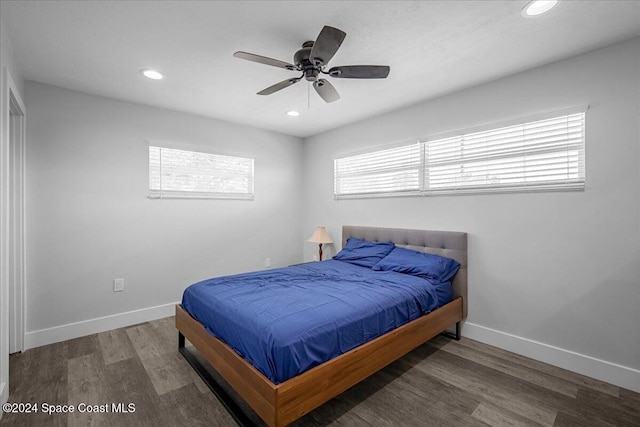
89 220
562 269
7 59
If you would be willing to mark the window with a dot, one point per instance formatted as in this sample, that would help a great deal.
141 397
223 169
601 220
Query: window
192 174
546 154
394 171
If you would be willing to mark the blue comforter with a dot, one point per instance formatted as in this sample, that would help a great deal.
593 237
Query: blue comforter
288 320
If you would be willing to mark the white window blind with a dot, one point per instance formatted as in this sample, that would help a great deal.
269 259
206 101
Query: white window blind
538 155
544 154
394 171
177 173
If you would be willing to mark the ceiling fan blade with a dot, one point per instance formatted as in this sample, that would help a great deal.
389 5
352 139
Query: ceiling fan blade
326 45
279 86
360 72
326 90
264 60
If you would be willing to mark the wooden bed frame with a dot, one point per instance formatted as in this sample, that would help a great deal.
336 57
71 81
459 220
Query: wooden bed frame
281 404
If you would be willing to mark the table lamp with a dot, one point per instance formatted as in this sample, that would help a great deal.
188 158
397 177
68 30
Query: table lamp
320 236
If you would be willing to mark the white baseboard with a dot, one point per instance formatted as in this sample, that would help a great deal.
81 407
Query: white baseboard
621 376
92 326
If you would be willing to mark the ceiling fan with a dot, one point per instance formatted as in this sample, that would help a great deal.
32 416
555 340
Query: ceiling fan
312 60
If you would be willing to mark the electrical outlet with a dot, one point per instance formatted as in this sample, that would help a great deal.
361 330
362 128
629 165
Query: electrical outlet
267 262
118 285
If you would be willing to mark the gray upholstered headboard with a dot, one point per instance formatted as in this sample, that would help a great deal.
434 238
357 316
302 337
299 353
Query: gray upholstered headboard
452 244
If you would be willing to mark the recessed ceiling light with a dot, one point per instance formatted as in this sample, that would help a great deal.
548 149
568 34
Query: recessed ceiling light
292 113
152 74
538 7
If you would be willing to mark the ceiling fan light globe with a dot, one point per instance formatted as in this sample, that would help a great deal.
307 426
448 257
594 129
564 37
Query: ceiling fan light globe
311 74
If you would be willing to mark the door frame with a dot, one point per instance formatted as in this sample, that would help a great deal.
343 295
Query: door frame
14 146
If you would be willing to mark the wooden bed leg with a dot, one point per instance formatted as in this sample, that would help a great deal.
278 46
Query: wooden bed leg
180 340
455 336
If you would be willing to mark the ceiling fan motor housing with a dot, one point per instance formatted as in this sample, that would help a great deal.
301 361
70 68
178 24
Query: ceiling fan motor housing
301 59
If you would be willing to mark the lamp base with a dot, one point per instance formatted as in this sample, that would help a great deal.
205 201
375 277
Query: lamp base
320 251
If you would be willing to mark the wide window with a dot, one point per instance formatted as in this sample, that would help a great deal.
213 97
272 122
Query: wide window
177 173
539 155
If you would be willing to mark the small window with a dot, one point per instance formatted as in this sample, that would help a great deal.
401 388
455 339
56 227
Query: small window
394 171
191 174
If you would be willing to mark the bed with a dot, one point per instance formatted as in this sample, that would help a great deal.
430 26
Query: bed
280 399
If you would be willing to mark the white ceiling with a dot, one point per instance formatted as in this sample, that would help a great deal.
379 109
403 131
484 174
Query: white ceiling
433 48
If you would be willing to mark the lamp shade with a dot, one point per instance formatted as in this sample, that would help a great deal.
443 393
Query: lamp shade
320 236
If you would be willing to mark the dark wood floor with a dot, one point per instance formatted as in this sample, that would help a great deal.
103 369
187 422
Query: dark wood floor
442 383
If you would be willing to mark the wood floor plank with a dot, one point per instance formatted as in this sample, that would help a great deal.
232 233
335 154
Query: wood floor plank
596 407
517 370
86 388
610 409
500 417
385 399
115 346
148 343
168 372
199 409
590 410
336 413
438 411
441 366
80 346
127 382
38 375
566 420
34 419
630 396
380 410
166 329
431 389
573 377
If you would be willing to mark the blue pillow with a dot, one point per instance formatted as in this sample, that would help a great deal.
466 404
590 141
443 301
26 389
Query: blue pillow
435 268
363 253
